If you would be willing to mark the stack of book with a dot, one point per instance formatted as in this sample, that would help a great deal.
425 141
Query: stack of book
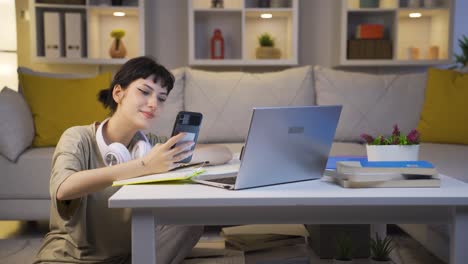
360 173
253 244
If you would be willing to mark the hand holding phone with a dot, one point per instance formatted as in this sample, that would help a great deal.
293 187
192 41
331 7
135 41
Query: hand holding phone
189 123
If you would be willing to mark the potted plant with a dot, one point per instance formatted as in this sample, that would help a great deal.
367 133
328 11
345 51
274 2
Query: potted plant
344 250
463 58
380 250
397 147
117 49
267 48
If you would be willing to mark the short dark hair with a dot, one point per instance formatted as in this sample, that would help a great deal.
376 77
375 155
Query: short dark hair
134 69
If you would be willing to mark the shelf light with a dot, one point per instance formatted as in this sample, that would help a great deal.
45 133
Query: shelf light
119 14
415 15
266 15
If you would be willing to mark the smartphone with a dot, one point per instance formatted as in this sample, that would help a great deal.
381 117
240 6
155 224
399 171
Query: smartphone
189 123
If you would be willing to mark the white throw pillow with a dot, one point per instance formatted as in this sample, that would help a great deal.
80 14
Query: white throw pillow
226 99
16 124
372 103
173 105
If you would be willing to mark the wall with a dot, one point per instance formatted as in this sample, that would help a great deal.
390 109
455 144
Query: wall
167 35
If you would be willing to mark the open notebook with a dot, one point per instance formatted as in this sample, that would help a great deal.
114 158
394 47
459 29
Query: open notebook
230 168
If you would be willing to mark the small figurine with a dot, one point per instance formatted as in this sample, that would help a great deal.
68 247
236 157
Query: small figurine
217 4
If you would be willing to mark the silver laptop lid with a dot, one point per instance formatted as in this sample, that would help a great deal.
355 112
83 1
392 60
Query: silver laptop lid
287 144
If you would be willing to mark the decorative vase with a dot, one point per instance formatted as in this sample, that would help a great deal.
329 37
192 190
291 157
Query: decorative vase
268 53
117 49
392 152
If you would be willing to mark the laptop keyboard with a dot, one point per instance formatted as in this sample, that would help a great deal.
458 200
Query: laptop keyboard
227 180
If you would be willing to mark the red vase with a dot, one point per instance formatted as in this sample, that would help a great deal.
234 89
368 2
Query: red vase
217 45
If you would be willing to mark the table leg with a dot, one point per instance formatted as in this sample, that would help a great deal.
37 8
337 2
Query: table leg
459 236
143 236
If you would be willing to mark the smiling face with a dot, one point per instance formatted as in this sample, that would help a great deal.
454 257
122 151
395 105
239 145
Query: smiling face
141 103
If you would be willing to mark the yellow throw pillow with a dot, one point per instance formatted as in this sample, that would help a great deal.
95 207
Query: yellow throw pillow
57 104
444 117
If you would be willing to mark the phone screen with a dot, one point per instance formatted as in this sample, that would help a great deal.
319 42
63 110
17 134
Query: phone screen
188 122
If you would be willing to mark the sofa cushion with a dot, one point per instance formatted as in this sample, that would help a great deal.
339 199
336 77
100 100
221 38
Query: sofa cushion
173 105
371 103
16 124
226 99
58 104
29 71
444 117
28 178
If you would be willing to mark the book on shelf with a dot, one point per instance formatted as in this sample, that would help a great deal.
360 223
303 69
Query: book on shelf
370 31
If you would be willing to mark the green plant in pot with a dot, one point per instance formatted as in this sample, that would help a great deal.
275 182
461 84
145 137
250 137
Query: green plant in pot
396 147
267 48
462 59
344 250
380 249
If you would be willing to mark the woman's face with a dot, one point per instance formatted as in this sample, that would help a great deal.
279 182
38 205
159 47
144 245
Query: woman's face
141 102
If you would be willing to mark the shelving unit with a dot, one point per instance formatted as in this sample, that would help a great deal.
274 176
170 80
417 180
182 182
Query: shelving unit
424 40
90 30
241 24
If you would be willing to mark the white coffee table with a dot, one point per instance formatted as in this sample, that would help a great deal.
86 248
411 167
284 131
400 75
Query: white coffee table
309 202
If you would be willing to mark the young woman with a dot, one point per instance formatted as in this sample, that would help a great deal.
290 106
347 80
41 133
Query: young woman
82 228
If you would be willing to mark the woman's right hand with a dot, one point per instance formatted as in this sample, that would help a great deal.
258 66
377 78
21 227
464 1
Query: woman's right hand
162 158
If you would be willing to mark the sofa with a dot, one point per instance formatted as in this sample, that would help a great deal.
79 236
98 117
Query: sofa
372 104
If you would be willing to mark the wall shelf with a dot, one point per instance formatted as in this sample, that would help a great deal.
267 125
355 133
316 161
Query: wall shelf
240 24
426 40
80 33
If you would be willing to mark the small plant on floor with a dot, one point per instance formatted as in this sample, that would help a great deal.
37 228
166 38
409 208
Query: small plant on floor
344 248
380 249
397 138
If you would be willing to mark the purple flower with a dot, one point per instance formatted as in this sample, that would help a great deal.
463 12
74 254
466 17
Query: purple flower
413 137
367 138
396 131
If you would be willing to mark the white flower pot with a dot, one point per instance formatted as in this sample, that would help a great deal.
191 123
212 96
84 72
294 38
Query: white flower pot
392 152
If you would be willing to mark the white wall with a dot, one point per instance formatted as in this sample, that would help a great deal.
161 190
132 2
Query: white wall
167 35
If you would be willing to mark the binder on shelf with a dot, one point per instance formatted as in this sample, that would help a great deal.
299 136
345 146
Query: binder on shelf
73 35
52 43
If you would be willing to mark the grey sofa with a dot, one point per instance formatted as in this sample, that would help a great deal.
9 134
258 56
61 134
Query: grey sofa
226 100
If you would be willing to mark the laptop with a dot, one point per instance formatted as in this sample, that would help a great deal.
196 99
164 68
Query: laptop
284 144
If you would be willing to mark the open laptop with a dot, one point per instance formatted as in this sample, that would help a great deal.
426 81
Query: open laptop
284 144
